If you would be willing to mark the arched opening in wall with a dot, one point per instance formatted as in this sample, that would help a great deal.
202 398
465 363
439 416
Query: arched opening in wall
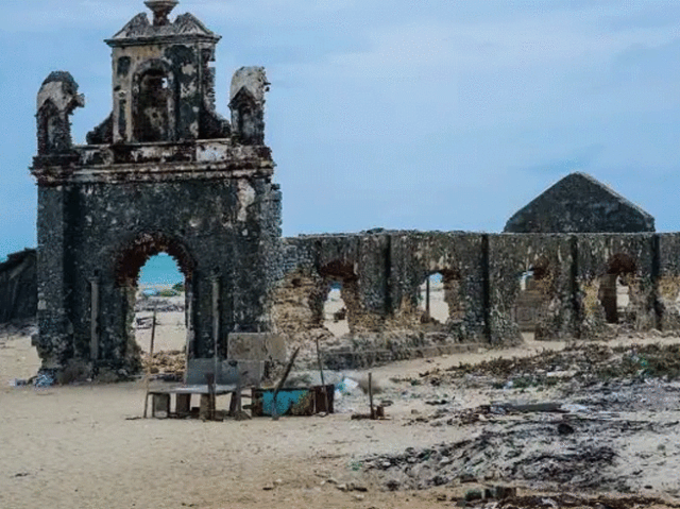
161 291
615 288
155 274
433 301
341 302
153 107
335 310
532 300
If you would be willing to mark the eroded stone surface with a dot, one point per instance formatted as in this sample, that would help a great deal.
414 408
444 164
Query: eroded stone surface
580 204
166 173
162 174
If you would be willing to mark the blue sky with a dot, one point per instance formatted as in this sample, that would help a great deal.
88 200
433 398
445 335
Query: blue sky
441 114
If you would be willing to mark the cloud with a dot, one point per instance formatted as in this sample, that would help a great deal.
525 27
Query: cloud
438 114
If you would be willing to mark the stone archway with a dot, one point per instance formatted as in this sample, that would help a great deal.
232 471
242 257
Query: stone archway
134 255
127 268
615 287
158 183
342 276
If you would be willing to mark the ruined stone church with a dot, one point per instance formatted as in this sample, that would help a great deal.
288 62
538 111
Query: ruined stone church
165 172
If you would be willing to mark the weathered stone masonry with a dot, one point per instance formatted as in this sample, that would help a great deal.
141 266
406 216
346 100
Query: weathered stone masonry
386 269
166 173
18 282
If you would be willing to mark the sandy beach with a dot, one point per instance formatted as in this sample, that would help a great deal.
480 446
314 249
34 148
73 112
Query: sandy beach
86 446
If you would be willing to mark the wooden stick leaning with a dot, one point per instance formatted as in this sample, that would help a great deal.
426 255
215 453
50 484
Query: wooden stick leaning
147 377
283 381
370 394
323 383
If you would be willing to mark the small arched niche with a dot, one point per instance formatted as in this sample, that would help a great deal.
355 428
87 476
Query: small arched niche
431 300
154 111
335 310
532 299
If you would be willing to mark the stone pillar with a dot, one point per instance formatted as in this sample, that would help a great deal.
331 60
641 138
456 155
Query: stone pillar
53 342
216 315
94 319
189 319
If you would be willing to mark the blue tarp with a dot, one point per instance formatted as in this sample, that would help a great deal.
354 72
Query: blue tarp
284 400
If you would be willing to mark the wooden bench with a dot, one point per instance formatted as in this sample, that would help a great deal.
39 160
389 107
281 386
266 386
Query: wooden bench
161 400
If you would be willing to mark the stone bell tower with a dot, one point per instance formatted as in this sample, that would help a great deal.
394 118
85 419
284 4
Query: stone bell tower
163 173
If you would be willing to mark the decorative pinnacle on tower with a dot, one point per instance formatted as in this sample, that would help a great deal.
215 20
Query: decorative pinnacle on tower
161 10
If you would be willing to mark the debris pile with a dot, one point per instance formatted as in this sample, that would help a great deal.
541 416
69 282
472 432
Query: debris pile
169 366
564 500
586 364
537 454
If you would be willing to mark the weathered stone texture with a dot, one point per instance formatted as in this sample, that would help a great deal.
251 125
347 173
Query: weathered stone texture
18 287
154 179
166 173
667 263
460 258
551 258
580 204
628 256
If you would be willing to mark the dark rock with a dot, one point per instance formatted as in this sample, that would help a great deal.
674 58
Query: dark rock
564 429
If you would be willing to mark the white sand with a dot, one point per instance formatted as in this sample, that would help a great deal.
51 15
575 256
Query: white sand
72 447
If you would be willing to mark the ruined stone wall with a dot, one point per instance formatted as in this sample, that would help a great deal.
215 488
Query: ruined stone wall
461 260
223 235
482 273
265 281
18 287
551 257
667 263
628 256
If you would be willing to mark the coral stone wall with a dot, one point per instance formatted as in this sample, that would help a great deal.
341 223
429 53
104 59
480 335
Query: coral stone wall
573 278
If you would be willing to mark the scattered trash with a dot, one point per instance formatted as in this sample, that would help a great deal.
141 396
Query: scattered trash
347 386
43 380
437 402
573 408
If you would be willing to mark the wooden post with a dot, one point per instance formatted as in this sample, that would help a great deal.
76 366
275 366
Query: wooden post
94 319
323 383
427 297
370 394
283 381
210 378
153 335
147 375
216 318
189 322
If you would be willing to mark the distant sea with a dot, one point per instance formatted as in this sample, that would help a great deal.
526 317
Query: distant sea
160 270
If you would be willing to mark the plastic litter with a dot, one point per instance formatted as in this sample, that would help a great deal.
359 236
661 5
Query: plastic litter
346 387
43 380
574 408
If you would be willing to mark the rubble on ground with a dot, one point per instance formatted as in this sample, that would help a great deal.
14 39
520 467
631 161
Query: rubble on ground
168 365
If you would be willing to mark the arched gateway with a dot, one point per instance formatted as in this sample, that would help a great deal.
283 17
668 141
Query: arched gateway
163 173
